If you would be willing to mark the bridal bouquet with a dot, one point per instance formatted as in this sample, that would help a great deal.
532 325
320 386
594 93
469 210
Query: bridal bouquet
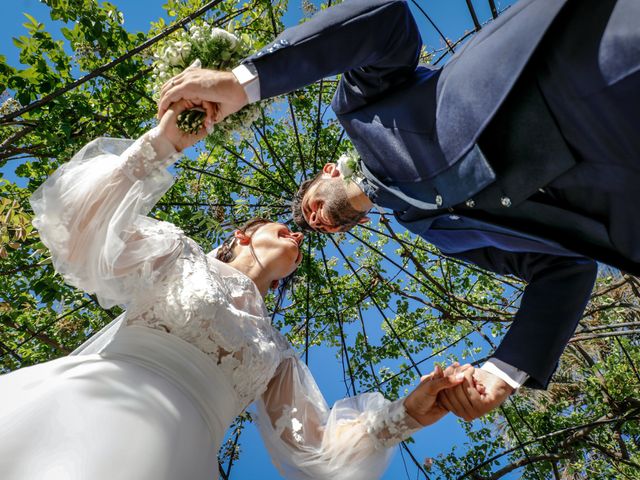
214 48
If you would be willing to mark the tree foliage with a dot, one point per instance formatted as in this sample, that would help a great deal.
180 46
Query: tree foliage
387 302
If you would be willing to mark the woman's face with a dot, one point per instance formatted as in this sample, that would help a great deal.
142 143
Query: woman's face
277 248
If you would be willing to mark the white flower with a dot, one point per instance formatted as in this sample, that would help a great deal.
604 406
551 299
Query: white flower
296 427
349 167
343 166
196 33
174 57
219 33
9 106
183 48
289 420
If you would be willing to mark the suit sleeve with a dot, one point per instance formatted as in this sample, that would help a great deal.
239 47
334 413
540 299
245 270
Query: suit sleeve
376 43
554 299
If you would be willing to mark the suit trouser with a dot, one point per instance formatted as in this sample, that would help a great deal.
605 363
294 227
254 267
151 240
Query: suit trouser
598 116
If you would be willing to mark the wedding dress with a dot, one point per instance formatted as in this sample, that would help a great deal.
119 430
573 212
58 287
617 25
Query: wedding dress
151 396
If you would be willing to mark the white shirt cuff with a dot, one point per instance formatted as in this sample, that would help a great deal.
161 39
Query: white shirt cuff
249 81
512 375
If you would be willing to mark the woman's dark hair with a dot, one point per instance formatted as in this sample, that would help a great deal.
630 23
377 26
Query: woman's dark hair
225 251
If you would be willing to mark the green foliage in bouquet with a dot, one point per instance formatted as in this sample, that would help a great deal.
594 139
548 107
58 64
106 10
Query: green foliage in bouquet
214 48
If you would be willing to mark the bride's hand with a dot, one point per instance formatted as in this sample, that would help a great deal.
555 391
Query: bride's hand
177 137
422 402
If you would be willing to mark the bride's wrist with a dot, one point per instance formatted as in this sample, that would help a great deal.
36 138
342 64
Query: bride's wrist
411 410
161 143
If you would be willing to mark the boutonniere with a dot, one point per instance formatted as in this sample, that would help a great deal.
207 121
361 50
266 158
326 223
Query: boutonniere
349 166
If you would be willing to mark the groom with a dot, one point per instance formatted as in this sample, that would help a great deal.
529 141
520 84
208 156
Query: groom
521 155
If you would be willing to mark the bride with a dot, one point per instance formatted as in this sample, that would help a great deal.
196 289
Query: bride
151 396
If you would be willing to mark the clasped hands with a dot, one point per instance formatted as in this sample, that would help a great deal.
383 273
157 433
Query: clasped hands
201 86
463 390
216 93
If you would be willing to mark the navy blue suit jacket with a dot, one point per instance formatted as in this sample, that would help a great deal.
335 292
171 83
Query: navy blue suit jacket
416 129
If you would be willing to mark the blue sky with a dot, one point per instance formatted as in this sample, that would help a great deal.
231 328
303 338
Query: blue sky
453 18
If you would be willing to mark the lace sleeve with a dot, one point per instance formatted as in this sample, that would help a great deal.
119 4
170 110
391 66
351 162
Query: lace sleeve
307 440
91 215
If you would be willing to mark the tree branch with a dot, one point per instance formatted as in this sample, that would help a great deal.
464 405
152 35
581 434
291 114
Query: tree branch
522 462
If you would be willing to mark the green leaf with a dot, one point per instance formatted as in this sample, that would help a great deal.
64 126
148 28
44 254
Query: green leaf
31 19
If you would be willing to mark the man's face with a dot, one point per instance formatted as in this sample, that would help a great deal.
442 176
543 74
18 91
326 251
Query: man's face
316 208
326 206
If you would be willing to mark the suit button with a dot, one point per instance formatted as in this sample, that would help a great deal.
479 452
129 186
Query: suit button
470 203
505 201
439 200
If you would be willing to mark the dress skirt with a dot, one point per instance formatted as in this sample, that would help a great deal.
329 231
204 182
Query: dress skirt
127 413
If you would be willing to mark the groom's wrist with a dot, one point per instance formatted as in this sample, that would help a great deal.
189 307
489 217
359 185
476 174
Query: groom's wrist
513 376
249 81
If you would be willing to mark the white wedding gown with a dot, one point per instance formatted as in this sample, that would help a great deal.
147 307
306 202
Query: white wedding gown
151 396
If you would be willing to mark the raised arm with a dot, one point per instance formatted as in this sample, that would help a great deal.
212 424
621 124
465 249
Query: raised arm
91 213
354 439
376 43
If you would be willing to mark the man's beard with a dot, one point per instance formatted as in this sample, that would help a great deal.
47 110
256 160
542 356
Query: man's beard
336 204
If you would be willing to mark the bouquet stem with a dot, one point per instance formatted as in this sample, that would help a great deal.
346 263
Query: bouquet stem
191 121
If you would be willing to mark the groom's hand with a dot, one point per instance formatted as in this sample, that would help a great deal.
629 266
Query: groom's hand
471 401
202 85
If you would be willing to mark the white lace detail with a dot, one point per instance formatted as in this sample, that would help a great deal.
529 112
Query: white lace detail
219 310
392 424
150 152
91 213
97 204
289 421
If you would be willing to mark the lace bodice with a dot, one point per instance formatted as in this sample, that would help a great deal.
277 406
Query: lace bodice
220 311
91 213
